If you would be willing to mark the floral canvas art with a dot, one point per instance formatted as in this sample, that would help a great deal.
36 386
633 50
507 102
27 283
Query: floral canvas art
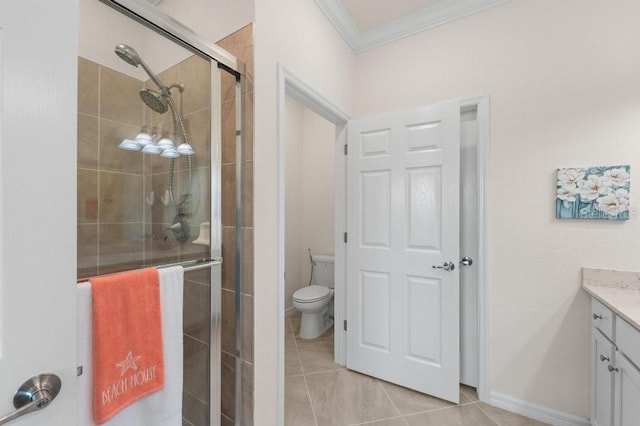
593 193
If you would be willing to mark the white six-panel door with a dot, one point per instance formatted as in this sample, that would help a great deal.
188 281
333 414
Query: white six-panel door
402 221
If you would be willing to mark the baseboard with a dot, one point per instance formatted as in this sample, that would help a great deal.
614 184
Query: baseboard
537 412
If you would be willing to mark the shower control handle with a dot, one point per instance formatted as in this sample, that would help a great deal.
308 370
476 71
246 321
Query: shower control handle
179 228
34 394
447 266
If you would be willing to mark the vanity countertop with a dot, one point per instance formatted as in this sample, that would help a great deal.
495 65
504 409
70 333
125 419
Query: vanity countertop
618 290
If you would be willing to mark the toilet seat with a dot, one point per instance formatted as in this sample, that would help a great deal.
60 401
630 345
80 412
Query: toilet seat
312 293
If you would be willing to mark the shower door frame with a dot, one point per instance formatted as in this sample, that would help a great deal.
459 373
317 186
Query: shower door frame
147 15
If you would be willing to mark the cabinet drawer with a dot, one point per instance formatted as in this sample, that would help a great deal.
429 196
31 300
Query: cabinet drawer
628 340
602 318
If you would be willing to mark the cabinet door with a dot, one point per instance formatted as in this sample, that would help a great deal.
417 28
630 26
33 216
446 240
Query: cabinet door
627 401
602 353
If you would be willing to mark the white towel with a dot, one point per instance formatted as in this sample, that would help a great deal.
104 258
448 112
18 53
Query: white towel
163 408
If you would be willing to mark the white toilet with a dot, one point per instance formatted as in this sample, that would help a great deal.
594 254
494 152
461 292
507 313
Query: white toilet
315 302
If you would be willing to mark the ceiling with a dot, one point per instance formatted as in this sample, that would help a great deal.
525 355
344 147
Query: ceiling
366 24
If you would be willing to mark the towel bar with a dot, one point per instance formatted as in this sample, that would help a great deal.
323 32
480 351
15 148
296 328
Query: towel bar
188 265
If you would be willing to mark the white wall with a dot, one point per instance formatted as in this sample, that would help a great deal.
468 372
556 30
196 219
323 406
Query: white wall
318 188
564 83
102 28
293 199
296 34
309 197
211 20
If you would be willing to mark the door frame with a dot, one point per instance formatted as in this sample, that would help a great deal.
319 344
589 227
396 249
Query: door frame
291 85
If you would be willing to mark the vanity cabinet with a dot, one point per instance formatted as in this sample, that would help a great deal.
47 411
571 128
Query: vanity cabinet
615 376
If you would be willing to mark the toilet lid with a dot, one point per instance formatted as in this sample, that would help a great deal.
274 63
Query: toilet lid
311 293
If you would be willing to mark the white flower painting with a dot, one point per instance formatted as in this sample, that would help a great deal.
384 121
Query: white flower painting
593 193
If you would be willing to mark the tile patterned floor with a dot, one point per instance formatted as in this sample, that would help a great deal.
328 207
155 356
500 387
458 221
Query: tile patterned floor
319 392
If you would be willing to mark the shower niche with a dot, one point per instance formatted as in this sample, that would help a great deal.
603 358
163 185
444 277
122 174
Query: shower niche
152 132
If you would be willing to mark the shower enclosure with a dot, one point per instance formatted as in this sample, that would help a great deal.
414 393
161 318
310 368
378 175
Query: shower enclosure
150 136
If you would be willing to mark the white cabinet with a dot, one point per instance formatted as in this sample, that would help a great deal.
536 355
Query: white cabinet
615 376
627 392
602 352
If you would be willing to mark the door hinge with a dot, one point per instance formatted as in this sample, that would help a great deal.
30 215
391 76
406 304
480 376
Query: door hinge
345 237
346 149
345 325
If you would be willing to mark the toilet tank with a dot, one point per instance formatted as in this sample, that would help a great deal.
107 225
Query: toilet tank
323 270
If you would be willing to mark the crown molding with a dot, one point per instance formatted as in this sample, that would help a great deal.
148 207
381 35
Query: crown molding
400 28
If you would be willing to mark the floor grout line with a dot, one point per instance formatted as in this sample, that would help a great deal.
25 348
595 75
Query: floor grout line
487 414
313 410
389 398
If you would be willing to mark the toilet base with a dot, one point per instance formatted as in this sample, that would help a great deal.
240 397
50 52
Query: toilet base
314 325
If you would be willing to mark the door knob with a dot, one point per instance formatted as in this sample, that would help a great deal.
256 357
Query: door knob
466 261
34 394
447 266
603 358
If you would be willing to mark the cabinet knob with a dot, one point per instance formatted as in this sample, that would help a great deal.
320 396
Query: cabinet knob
597 317
603 358
612 368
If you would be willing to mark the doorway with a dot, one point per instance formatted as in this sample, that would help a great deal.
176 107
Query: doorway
473 110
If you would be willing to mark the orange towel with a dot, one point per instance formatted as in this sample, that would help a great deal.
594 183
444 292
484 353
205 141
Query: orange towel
128 362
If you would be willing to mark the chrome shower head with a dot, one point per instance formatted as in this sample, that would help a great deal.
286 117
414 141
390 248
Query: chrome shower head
154 100
130 56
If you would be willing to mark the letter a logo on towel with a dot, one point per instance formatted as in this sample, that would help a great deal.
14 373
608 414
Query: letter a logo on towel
128 362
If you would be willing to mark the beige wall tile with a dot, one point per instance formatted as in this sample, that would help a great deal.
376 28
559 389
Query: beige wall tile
228 132
240 44
120 247
196 368
158 251
228 86
228 194
113 158
87 246
197 312
120 197
202 276
198 125
229 256
168 77
228 385
88 86
247 327
87 196
88 141
247 260
247 394
228 337
247 193
199 206
195 411
247 137
195 73
120 97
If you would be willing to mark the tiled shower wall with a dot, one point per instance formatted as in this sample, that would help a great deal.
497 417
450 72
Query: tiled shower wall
239 44
120 222
117 228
